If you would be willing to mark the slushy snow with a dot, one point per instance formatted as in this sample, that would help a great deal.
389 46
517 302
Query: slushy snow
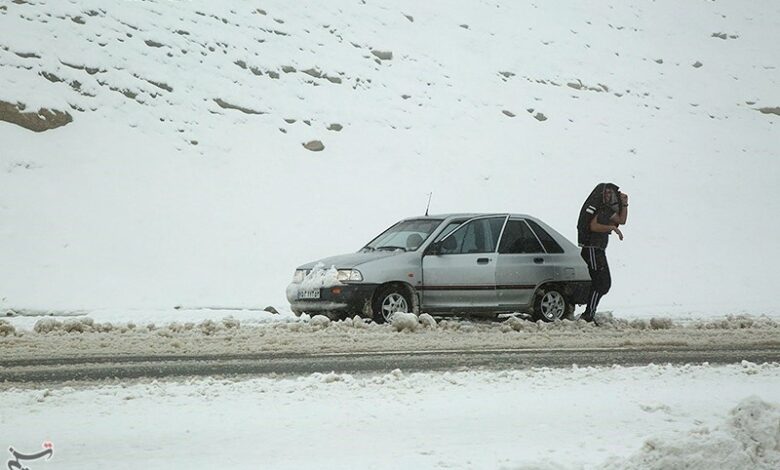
83 336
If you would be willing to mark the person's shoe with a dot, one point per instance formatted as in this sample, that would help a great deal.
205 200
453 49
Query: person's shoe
586 318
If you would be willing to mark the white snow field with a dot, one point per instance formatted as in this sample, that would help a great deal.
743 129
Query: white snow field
167 164
652 417
183 180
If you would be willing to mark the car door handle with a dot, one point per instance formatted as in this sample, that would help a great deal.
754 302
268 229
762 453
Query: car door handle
539 260
483 260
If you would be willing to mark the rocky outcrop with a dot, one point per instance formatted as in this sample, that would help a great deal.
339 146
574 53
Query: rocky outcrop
314 146
225 105
37 121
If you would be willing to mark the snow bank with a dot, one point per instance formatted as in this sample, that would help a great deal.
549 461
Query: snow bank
427 320
88 325
75 325
84 336
319 321
6 328
30 312
402 321
748 438
604 320
409 321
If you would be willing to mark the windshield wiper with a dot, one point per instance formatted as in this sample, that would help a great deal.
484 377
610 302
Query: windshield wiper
390 247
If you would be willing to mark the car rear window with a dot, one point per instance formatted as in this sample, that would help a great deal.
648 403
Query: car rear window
550 245
518 239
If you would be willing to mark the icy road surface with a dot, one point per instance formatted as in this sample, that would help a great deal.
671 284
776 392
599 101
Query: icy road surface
117 367
80 348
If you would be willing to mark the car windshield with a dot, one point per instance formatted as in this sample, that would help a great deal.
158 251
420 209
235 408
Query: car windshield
407 235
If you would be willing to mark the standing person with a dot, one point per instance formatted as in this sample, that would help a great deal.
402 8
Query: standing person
602 213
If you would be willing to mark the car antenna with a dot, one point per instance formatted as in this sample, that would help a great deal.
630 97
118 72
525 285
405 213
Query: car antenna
429 203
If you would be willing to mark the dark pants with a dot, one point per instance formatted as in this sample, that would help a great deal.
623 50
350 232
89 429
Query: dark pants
600 279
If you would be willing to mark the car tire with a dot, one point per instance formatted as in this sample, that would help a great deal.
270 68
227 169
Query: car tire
389 300
551 305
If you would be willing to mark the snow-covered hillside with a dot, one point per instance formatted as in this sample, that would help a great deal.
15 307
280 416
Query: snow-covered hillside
180 175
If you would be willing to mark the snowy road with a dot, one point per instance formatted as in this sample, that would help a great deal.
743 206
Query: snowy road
455 394
81 349
107 367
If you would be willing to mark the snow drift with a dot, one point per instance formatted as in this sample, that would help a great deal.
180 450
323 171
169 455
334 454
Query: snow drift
748 438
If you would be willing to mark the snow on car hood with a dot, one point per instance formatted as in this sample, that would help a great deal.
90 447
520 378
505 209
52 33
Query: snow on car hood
350 260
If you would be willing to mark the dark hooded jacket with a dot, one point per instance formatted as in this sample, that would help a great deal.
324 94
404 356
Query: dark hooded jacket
596 205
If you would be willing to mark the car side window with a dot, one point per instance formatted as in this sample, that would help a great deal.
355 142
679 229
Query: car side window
519 239
550 245
477 236
448 229
495 224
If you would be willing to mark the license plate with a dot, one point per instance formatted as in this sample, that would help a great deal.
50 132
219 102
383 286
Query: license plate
309 294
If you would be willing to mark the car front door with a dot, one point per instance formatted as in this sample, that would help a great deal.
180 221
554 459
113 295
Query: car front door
522 265
461 274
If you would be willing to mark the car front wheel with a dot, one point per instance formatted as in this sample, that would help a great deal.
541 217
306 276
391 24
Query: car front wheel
390 300
551 305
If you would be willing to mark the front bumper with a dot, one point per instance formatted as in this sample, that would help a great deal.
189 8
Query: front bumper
346 298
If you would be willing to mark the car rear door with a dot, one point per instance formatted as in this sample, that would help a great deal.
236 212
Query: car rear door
462 276
522 264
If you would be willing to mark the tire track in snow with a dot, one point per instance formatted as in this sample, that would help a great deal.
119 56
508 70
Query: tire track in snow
132 367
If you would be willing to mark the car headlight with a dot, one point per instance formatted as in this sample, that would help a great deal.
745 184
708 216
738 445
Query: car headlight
299 275
349 275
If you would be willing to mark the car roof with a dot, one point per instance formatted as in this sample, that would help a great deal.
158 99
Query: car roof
468 215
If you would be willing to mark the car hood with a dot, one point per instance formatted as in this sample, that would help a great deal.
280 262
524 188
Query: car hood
350 260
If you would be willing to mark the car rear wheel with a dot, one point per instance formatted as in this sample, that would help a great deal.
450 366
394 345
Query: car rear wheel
551 305
390 300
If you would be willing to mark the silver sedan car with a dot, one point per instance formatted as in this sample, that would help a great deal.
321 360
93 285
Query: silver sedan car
455 263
